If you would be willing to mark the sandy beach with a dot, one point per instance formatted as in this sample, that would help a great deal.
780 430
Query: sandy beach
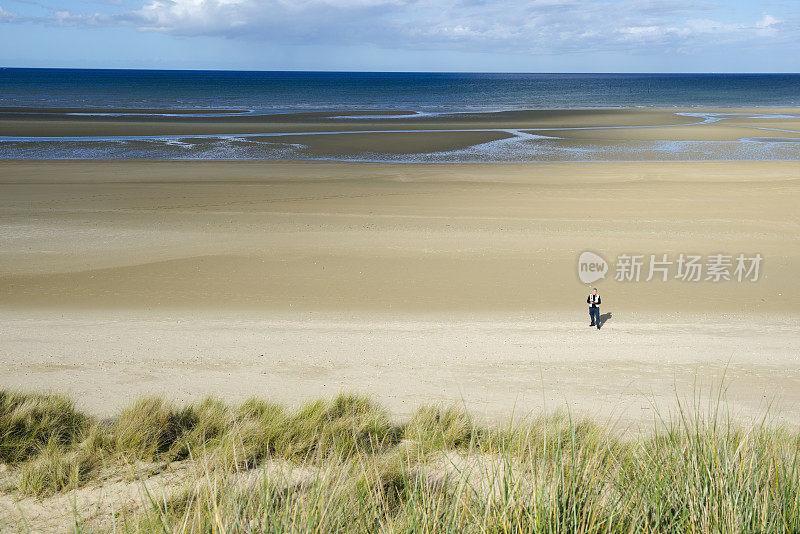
413 283
500 366
454 267
399 238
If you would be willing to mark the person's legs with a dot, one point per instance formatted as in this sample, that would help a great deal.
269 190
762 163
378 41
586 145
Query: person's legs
597 317
594 316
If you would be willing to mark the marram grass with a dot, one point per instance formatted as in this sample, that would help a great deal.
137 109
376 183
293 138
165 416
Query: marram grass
342 464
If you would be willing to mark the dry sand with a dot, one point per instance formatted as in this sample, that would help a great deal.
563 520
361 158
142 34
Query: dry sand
391 238
412 283
497 365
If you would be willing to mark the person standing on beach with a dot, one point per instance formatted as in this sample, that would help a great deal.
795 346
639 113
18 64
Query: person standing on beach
593 300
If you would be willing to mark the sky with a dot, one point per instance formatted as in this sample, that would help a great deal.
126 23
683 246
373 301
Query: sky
405 35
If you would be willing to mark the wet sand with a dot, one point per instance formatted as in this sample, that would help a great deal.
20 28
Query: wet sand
384 136
414 283
605 124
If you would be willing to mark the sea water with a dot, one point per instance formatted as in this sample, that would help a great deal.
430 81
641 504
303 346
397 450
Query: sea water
112 92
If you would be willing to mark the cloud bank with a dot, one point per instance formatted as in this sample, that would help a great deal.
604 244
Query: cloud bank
506 26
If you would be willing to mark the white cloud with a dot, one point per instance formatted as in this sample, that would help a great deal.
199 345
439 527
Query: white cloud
524 26
767 21
7 16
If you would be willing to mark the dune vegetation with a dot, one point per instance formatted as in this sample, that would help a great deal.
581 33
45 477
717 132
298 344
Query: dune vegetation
343 464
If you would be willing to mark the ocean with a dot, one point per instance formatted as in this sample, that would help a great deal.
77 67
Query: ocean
172 104
427 92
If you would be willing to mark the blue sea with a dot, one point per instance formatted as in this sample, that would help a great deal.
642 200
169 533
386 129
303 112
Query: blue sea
318 91
107 94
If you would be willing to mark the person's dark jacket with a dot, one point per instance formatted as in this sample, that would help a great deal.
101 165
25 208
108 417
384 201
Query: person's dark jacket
596 303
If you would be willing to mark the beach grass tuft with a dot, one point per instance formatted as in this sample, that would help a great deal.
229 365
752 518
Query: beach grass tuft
342 426
440 427
341 464
30 421
55 469
151 427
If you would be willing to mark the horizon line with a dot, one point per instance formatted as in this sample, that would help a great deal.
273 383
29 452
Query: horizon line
331 71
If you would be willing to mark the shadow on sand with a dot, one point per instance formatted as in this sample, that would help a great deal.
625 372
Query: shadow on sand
602 319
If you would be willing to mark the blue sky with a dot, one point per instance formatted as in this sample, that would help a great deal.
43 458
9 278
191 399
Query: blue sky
405 35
